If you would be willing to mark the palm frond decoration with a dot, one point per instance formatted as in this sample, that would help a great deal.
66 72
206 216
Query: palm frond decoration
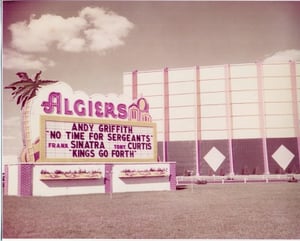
23 91
26 88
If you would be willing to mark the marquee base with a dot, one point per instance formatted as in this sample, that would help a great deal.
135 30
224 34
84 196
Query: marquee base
87 178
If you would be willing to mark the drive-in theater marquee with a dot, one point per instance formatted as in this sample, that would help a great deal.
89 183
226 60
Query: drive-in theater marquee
84 129
71 139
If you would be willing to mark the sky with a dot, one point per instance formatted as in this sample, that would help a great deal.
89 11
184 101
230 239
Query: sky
89 45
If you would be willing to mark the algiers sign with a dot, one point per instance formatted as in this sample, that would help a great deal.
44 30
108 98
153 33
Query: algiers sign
67 126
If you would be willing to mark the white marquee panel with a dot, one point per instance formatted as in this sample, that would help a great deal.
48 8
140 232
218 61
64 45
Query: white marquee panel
278 108
160 136
298 68
183 74
214 135
212 72
244 84
245 109
182 125
279 121
182 112
245 122
246 133
212 85
151 89
243 70
244 96
213 98
278 95
213 111
283 82
277 133
182 87
182 136
156 113
159 124
155 101
276 69
150 77
13 182
182 100
219 123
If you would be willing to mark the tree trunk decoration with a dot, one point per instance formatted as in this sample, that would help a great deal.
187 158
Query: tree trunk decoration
24 90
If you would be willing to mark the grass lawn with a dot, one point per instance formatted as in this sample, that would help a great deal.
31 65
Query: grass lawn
235 211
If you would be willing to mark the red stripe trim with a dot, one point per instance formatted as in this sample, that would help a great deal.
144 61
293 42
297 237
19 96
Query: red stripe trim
198 102
295 103
260 85
134 84
166 113
198 120
229 116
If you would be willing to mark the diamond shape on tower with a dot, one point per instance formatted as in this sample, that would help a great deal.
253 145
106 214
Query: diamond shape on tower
283 156
214 158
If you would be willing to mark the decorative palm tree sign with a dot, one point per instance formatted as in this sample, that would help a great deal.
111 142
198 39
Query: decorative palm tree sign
24 90
60 125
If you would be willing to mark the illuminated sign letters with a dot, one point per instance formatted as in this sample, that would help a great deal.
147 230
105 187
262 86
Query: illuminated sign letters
75 139
56 104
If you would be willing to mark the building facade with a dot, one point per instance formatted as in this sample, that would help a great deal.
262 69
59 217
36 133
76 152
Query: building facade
225 119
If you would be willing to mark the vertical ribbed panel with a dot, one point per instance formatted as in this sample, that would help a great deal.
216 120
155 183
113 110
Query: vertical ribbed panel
107 178
198 120
166 114
249 113
134 84
295 103
173 176
25 179
260 85
229 116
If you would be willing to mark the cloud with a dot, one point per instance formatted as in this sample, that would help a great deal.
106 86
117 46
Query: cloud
94 29
16 60
283 56
106 30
